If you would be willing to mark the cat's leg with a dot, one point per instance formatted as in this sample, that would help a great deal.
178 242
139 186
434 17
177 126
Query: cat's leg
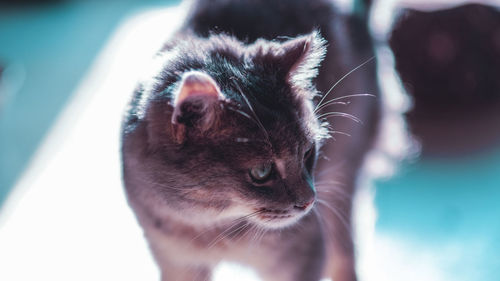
176 262
341 262
172 272
336 212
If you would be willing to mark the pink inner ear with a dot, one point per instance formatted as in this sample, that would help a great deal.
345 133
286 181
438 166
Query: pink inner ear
195 83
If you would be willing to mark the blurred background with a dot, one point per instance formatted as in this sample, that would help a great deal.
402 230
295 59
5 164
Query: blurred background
46 48
445 202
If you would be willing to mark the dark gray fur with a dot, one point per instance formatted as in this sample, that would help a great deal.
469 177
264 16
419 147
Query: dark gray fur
184 193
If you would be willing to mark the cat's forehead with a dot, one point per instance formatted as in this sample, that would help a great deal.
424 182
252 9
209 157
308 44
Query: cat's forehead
286 130
268 99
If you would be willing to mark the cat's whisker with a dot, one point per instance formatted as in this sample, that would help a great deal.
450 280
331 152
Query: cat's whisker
224 234
331 102
336 101
233 223
336 213
325 171
244 228
299 226
333 195
330 190
241 112
247 101
315 112
262 233
321 220
340 114
332 132
326 225
334 168
335 184
254 231
341 79
324 182
253 240
250 230
331 187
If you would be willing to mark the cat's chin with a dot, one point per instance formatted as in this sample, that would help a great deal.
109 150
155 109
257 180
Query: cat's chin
273 221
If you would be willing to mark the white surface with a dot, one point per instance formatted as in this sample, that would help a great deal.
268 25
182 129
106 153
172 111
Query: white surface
67 218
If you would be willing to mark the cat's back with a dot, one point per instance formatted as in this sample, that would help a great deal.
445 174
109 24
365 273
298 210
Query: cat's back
249 20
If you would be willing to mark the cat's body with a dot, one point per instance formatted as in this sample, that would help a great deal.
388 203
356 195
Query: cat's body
223 105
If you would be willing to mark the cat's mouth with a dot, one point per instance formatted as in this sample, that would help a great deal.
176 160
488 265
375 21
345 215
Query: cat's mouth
273 218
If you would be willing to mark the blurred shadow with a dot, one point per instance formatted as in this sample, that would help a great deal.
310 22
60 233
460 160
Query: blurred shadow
449 61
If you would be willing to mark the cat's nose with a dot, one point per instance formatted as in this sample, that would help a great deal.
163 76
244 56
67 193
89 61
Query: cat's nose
303 206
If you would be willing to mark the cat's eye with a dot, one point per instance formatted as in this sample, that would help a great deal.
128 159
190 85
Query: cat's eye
261 172
309 153
310 159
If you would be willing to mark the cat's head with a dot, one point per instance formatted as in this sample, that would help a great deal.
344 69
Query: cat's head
226 130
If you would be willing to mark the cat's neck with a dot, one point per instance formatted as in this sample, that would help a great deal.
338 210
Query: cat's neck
170 223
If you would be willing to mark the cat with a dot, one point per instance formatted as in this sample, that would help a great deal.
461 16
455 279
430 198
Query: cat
236 148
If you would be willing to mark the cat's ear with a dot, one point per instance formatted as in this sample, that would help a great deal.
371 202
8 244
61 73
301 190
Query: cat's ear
302 57
196 104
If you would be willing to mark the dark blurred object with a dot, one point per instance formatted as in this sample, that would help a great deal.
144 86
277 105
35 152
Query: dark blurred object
449 61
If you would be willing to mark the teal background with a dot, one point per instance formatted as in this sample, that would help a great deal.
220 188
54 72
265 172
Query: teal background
450 205
432 202
48 48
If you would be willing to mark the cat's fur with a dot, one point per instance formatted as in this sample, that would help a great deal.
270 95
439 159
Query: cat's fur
186 157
